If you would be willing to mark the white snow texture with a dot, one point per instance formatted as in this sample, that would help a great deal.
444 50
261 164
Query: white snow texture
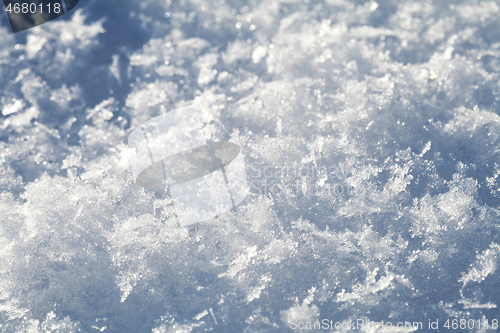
371 137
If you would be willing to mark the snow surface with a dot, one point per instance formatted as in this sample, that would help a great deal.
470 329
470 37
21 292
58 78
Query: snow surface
371 138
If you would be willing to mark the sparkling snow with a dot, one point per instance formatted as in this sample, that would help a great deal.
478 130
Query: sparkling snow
371 136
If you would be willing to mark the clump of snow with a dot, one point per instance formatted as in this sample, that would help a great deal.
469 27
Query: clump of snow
370 132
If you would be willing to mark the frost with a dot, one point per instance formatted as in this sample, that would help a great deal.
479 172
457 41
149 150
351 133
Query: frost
370 132
13 108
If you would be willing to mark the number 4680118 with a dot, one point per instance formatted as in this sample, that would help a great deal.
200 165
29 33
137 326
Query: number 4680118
32 8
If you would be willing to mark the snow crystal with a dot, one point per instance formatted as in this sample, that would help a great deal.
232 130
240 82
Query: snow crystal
370 132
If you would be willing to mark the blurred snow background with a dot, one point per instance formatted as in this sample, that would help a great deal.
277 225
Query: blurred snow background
394 105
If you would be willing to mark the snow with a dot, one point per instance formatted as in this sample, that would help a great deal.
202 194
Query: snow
370 136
